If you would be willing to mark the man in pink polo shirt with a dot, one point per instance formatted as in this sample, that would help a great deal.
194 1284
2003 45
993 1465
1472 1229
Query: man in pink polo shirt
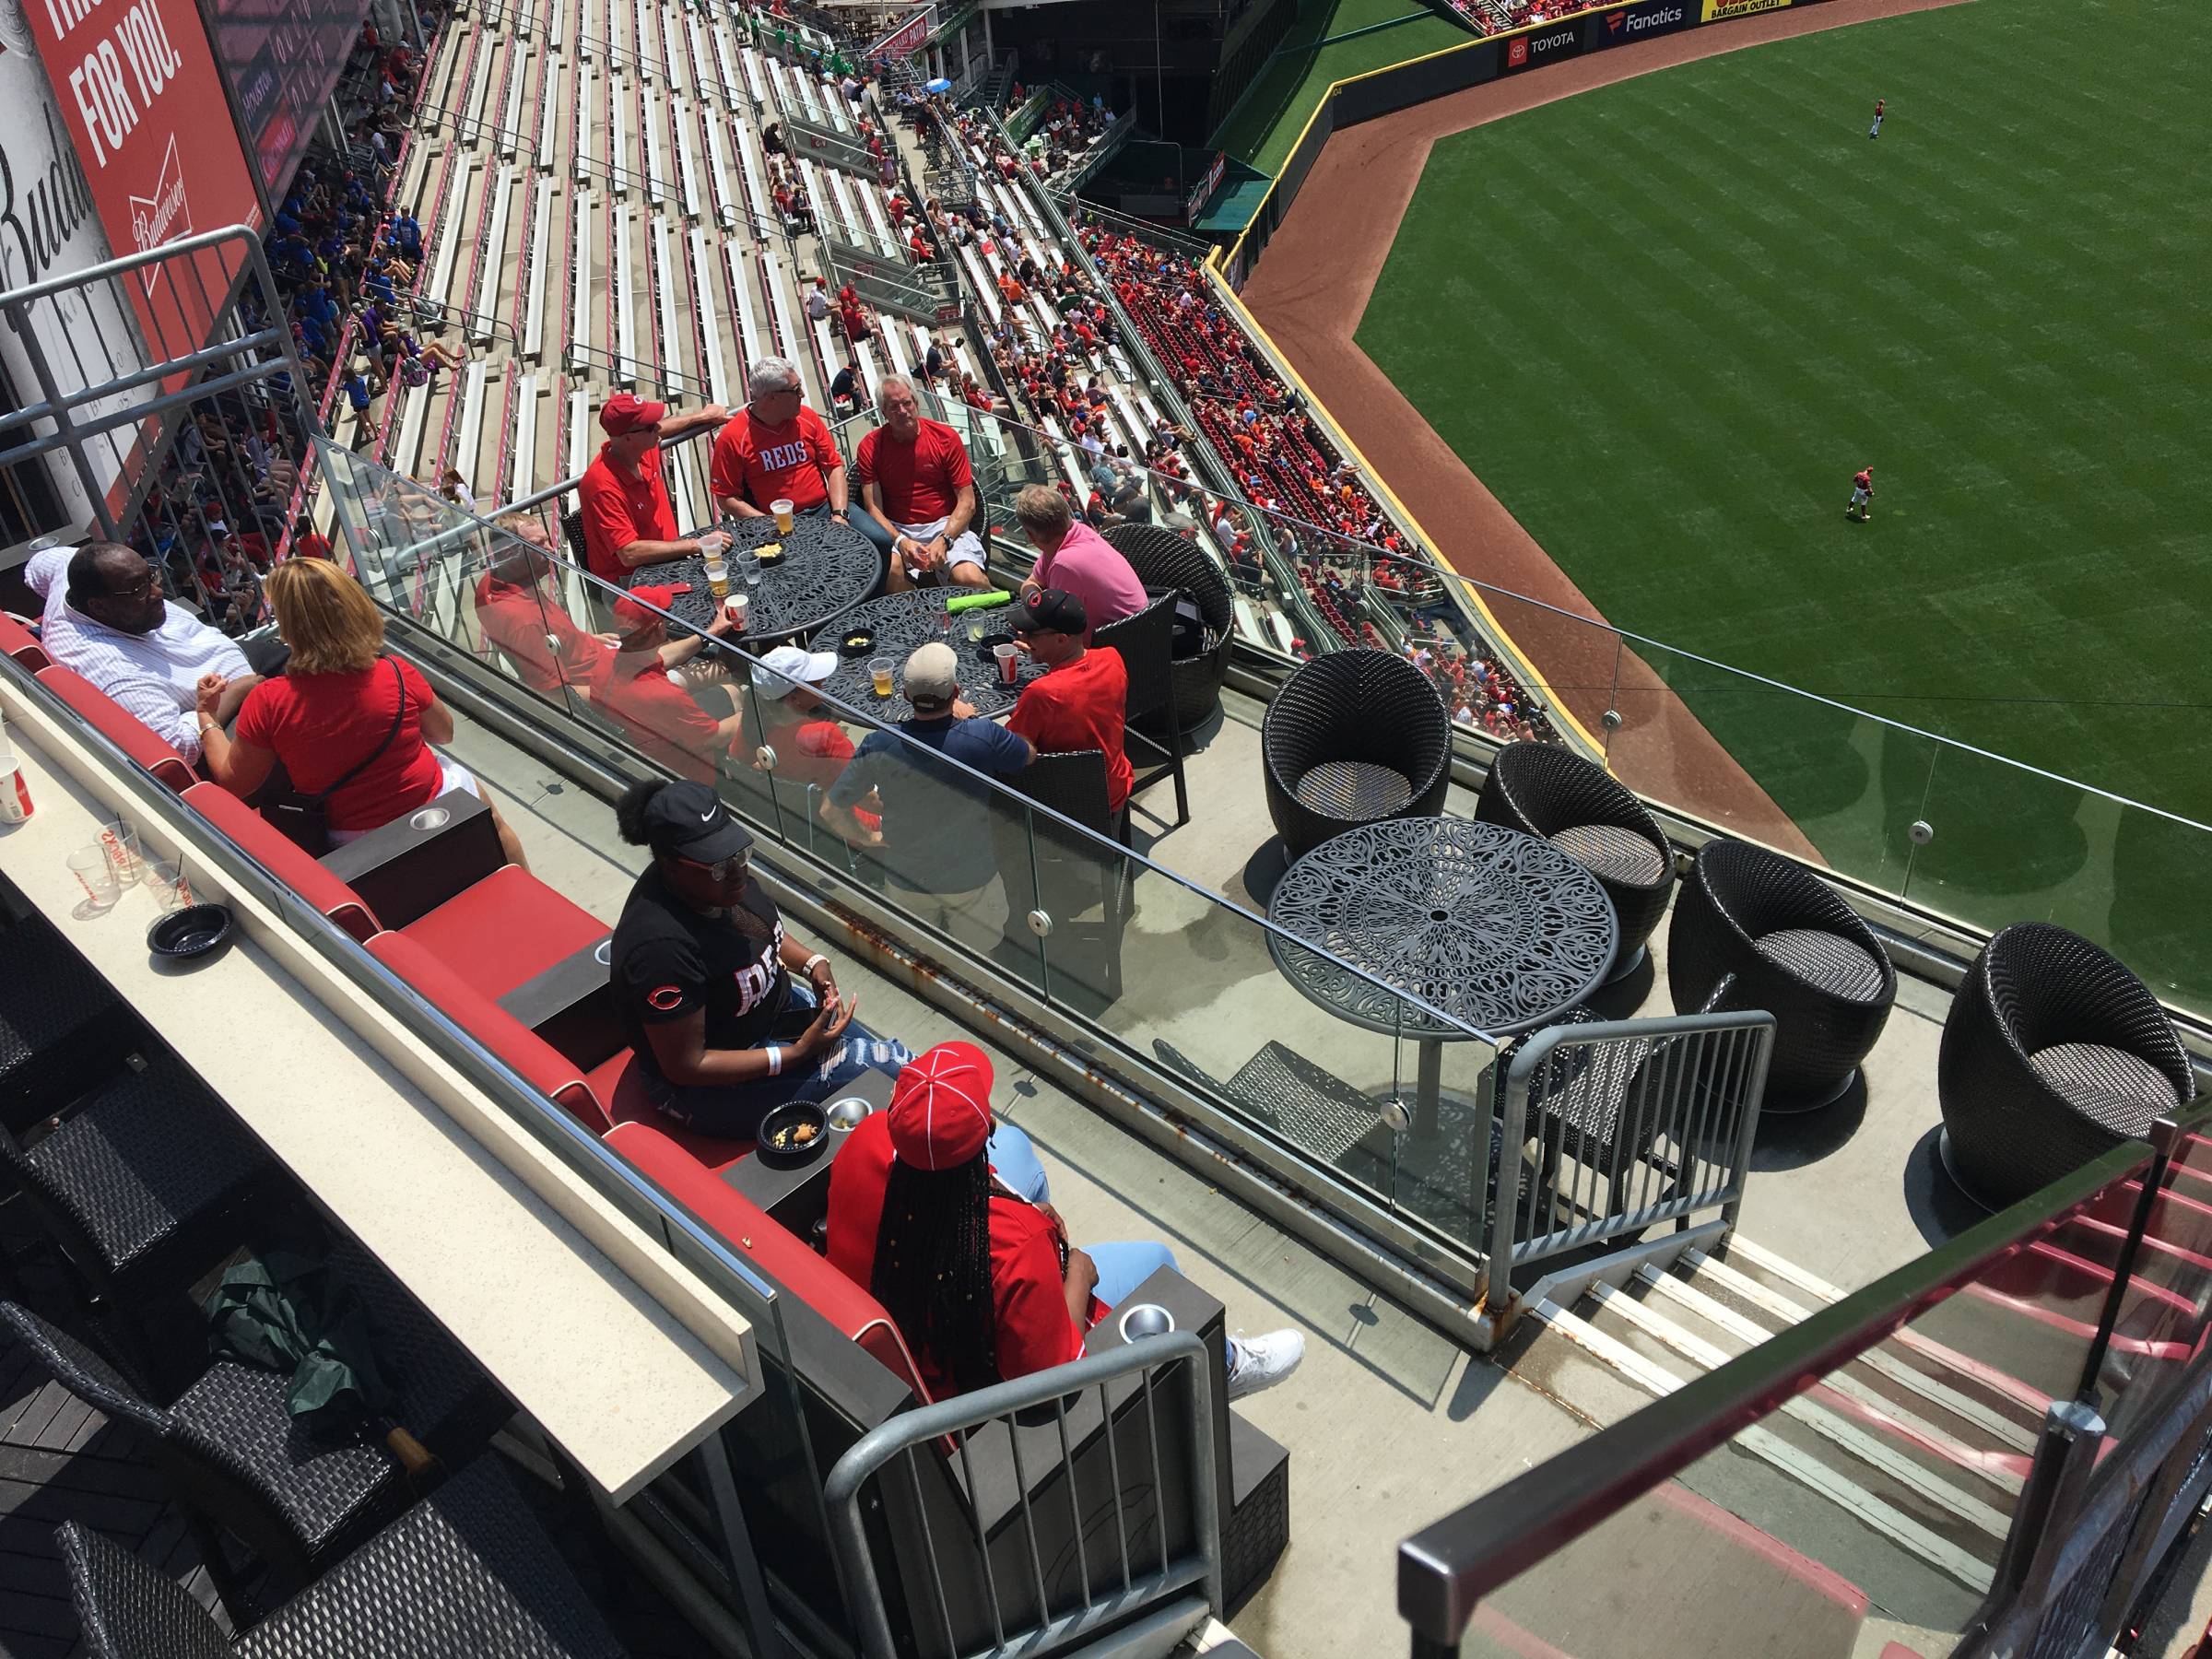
1076 559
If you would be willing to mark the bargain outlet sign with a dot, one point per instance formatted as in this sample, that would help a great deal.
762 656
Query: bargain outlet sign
137 88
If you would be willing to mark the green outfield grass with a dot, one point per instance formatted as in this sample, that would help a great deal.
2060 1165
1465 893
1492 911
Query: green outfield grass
1267 123
1665 322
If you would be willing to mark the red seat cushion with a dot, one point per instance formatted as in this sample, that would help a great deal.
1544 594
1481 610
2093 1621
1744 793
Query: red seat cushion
20 642
618 1085
777 1250
537 1061
507 928
283 858
123 729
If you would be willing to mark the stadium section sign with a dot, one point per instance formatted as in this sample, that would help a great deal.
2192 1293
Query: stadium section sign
282 58
1645 21
1720 11
145 114
1543 45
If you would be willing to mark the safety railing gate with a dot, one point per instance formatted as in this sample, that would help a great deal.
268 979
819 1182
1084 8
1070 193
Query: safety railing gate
1606 1129
1041 1514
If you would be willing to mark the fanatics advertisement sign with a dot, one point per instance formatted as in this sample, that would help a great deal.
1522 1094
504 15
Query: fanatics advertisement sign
1720 11
146 115
1542 46
1644 21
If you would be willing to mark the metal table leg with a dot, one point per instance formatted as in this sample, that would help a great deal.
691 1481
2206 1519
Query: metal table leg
1429 1085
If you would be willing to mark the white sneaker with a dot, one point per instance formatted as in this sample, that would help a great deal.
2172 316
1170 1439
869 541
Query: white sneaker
1257 1362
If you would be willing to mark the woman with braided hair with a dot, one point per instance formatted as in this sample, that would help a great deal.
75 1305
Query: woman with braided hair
943 1215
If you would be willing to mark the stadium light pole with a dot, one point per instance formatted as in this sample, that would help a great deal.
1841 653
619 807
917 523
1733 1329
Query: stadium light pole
1159 88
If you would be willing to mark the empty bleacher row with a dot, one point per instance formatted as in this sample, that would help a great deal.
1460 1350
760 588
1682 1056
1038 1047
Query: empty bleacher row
594 191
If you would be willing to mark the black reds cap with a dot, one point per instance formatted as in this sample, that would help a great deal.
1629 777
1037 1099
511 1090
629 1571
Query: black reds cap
689 821
1051 611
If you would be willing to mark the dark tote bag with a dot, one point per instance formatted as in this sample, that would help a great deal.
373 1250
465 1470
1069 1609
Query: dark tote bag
304 818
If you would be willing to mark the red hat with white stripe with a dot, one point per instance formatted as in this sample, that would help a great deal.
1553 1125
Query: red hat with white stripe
940 1114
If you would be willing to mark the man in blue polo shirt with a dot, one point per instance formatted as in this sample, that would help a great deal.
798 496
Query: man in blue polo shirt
937 851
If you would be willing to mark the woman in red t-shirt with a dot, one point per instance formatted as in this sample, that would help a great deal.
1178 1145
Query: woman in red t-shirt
333 709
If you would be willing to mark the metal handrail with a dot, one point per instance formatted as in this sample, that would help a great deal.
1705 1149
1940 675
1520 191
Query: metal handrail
447 312
1448 1566
910 1432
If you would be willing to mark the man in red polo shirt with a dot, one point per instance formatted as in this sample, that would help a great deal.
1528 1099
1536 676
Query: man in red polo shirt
632 683
1082 702
917 488
628 518
777 448
519 611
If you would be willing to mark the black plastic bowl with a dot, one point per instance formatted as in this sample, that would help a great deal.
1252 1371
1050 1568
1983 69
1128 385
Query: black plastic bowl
769 561
987 647
857 643
781 1121
196 932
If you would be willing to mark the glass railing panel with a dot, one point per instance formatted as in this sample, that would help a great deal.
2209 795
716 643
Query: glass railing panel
2014 845
2161 894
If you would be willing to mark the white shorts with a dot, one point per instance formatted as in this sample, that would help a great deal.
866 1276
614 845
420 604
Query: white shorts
1859 498
967 549
451 775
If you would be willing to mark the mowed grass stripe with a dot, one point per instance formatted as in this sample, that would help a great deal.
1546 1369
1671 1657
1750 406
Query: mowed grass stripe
1665 321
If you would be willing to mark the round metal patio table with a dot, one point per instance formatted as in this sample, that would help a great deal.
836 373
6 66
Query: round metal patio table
1495 929
828 568
902 623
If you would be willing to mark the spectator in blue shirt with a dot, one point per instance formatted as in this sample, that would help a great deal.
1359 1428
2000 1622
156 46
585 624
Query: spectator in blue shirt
936 850
409 230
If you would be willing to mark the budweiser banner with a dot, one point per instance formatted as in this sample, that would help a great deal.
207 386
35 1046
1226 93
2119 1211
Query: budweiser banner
138 93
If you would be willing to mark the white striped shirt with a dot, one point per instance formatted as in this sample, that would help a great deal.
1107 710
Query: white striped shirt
154 676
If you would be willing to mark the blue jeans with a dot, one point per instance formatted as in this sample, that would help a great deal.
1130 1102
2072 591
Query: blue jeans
1121 1267
860 518
734 1110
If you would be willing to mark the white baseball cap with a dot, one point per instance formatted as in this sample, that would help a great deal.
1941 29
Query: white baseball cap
785 667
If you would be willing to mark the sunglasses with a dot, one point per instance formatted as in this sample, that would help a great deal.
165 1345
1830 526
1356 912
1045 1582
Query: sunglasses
735 867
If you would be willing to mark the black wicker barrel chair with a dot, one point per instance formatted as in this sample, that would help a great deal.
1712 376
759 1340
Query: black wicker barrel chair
233 1456
2053 1053
1352 738
1579 807
468 1570
1796 950
1162 559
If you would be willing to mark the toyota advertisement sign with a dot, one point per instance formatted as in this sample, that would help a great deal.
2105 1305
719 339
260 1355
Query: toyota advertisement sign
1542 46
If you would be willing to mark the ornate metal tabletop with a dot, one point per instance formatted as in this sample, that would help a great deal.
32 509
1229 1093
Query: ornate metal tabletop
1492 927
903 622
826 569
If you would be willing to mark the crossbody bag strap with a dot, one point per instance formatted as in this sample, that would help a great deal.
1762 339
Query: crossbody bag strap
369 760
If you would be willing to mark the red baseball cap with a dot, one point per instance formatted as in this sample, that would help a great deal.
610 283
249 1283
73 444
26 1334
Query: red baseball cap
625 412
631 607
940 1114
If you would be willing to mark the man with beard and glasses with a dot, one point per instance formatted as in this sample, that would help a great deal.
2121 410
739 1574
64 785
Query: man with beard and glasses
729 1016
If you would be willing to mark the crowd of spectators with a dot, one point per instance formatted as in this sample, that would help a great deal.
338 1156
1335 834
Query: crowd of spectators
1493 16
1064 133
1331 527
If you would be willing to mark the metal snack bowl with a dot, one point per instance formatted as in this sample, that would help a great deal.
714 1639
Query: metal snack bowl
1146 1318
196 932
848 1114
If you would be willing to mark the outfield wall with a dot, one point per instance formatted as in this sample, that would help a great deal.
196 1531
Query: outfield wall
1458 68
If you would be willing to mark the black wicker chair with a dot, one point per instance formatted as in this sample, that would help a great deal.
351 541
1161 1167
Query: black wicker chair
1351 738
141 1184
1163 560
1075 876
58 1021
466 1571
1796 950
2053 1053
1146 643
232 1455
1596 821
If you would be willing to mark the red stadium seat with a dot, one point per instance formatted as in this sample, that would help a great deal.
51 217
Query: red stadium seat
779 1253
615 1083
123 729
283 858
507 928
534 1059
20 642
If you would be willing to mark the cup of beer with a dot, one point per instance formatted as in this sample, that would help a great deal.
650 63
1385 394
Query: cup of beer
781 506
879 671
718 576
739 609
1009 663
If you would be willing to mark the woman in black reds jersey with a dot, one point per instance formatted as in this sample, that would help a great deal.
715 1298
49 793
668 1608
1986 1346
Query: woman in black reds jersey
729 1016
